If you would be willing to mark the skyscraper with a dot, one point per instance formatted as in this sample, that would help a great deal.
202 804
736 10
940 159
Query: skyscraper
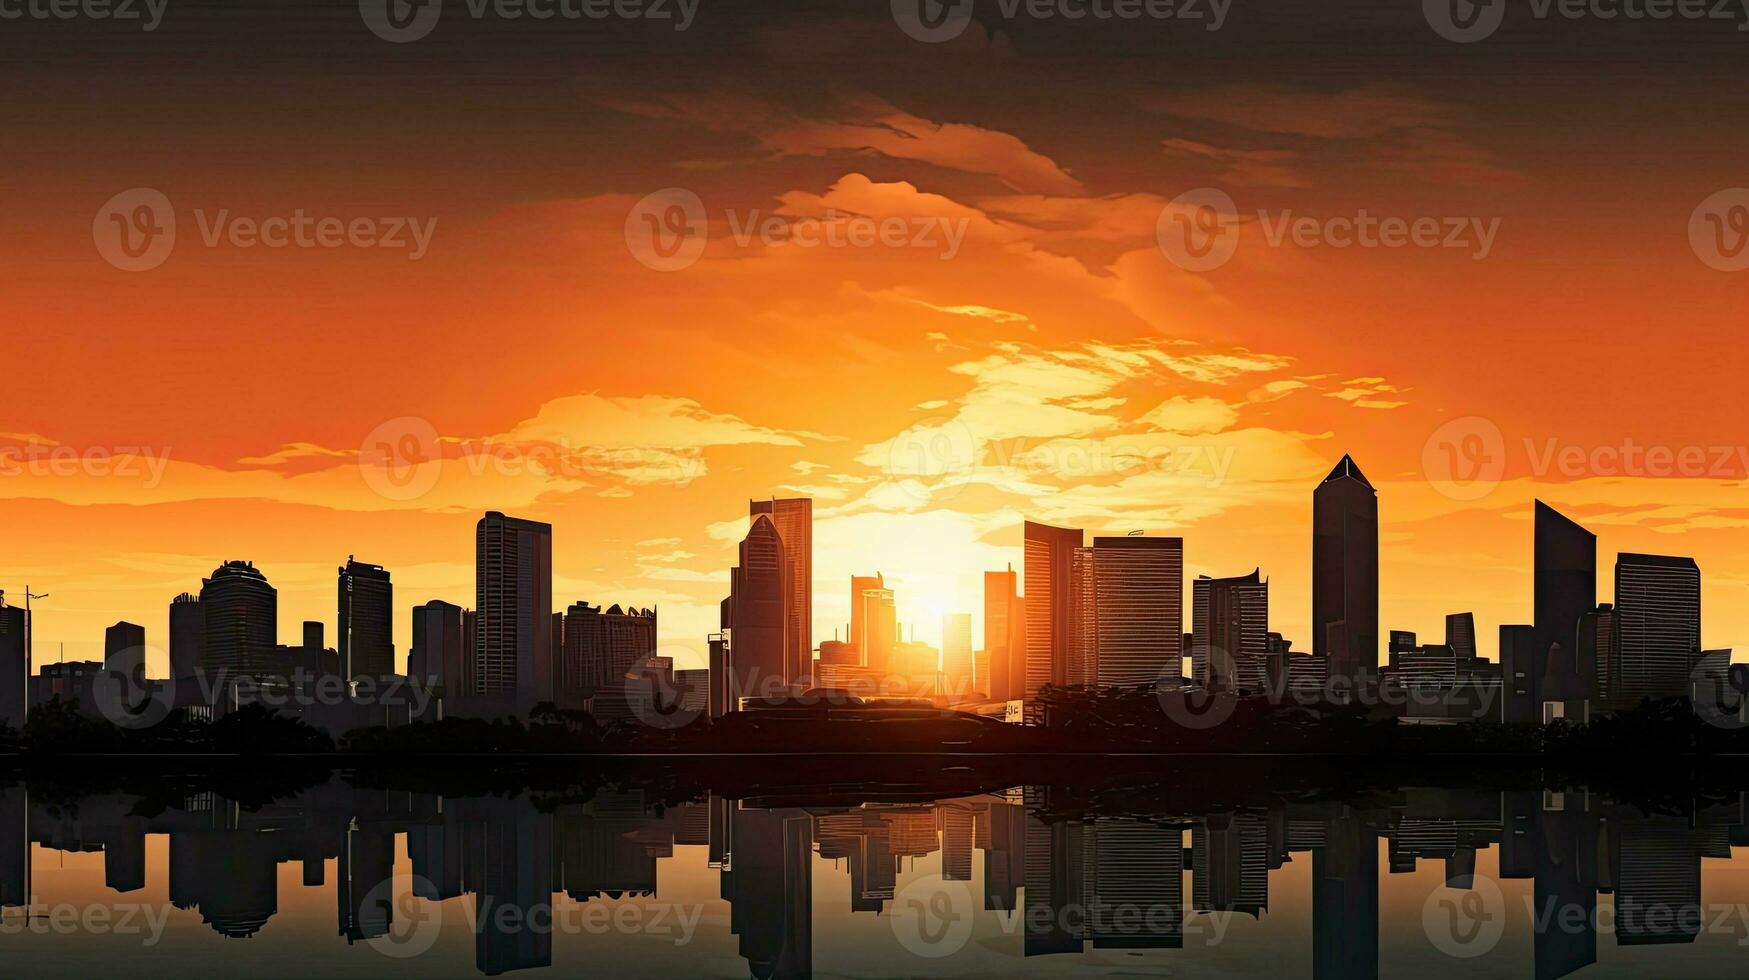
1004 636
755 616
438 646
1597 645
956 654
874 614
794 519
859 612
187 636
1230 631
1345 571
367 608
513 599
242 620
1566 585
1657 622
1049 553
1136 612
14 666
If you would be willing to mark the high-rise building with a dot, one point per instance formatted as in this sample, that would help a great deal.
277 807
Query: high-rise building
1519 674
1345 571
1049 554
755 616
14 666
859 612
875 618
124 650
956 654
242 620
438 647
1460 635
1134 618
600 646
366 625
1229 626
1566 584
187 636
1657 623
794 519
513 600
1596 646
1004 662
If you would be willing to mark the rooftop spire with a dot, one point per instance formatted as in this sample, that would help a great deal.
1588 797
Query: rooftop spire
1345 467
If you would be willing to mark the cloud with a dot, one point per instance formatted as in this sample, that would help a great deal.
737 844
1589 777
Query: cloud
1254 167
858 123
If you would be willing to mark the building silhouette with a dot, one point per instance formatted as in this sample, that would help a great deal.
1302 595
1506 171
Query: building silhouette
1597 645
874 621
1133 611
756 616
124 650
600 647
794 520
1049 554
14 665
242 620
366 602
1566 585
957 674
1519 675
1230 631
1004 662
1657 623
440 645
187 636
513 602
1345 571
1460 635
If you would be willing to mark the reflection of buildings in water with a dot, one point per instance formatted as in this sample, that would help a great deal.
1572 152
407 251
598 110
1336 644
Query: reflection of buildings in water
769 888
1079 871
1345 898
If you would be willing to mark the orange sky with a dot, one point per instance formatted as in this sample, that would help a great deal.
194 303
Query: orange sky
1039 355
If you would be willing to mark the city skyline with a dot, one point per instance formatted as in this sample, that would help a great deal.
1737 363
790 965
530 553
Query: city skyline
1565 547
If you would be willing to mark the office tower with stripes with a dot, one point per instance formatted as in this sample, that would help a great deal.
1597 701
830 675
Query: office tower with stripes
513 600
1049 555
1230 631
794 519
1657 623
